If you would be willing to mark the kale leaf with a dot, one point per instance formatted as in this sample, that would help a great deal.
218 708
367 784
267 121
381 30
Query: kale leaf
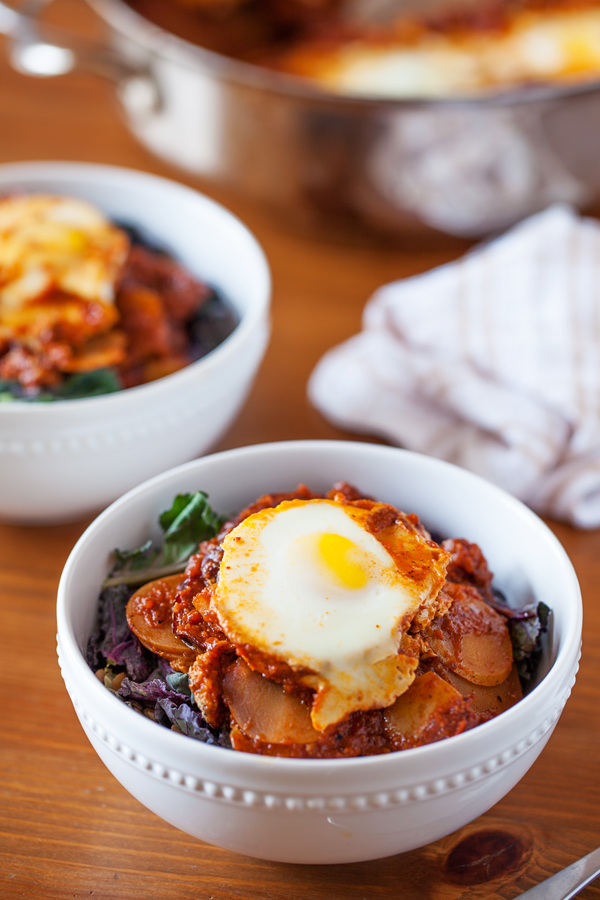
167 694
525 627
212 324
134 560
179 682
150 685
152 689
74 387
112 642
89 384
189 521
14 390
189 721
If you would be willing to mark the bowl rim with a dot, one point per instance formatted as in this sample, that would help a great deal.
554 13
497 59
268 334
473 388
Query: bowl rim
124 18
101 173
550 686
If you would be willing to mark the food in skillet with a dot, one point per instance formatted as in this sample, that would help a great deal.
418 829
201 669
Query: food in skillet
310 626
464 49
86 308
502 46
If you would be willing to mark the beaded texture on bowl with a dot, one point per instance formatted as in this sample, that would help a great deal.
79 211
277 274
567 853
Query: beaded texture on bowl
328 811
228 794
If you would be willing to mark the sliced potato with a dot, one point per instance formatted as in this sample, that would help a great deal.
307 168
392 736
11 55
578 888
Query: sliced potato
472 639
150 617
263 710
431 709
485 659
489 700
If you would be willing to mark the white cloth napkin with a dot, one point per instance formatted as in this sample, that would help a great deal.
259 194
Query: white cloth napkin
491 362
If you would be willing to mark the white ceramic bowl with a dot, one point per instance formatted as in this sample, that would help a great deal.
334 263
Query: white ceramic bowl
60 461
342 810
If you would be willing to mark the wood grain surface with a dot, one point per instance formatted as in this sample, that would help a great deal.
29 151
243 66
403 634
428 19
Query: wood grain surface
67 828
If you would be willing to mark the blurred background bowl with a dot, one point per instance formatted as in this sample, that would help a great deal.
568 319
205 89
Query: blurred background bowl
340 810
63 460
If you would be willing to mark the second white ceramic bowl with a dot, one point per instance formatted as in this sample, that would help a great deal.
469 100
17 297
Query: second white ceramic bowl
340 810
63 460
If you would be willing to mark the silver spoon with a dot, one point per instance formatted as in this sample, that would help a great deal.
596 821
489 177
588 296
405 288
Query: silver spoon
568 882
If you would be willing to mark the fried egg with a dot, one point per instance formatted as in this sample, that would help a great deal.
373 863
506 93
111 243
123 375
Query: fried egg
308 586
51 244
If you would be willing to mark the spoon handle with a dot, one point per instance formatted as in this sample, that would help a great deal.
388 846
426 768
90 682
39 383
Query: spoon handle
568 882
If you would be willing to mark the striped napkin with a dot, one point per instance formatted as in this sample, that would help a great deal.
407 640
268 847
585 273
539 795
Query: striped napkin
491 362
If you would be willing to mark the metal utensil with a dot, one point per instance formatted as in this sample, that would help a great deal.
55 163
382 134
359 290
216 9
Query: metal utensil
568 882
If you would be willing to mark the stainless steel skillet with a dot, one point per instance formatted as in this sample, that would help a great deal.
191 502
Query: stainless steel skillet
463 167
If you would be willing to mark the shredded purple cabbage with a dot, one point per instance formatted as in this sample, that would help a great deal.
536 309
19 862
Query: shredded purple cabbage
150 685
189 721
112 642
526 627
154 689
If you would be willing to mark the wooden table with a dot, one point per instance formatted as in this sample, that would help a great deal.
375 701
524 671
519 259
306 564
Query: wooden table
67 828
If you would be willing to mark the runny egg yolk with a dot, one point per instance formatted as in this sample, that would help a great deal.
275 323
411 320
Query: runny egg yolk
343 559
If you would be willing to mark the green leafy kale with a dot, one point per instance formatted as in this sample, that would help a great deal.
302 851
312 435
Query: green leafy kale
525 627
155 690
134 560
189 521
180 682
13 390
89 384
112 643
74 387
187 719
526 637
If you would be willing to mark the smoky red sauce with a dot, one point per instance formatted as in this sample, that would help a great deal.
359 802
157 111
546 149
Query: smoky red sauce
162 320
256 703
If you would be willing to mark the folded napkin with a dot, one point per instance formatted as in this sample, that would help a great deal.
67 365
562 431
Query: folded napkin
491 362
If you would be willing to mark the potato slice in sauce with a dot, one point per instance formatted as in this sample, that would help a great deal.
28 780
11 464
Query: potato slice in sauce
472 639
263 710
150 617
489 700
431 709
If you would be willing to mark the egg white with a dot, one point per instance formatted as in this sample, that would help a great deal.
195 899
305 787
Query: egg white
50 243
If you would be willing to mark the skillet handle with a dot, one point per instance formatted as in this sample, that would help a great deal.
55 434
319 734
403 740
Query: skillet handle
43 51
